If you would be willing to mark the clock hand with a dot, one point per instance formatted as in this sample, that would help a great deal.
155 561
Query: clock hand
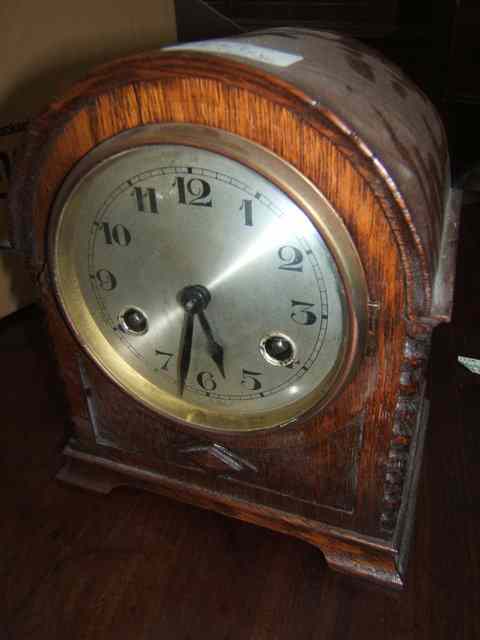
195 299
215 350
185 350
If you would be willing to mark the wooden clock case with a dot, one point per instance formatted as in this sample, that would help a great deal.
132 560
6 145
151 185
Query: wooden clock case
344 480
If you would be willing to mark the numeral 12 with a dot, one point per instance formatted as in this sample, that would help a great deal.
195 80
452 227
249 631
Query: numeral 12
193 192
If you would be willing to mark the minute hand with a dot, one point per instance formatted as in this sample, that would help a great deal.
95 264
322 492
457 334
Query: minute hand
185 351
215 350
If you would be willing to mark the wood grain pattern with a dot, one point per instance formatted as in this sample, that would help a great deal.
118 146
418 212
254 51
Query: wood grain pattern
302 482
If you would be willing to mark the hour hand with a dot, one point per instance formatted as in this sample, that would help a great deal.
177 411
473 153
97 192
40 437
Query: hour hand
215 350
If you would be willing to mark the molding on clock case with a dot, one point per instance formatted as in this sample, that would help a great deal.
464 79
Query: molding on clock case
409 425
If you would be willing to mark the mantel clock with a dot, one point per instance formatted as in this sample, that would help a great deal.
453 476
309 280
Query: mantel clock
243 246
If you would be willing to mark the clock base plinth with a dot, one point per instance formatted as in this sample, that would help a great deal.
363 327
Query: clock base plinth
90 477
356 555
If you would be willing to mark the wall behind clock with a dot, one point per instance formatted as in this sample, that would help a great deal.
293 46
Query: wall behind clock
44 47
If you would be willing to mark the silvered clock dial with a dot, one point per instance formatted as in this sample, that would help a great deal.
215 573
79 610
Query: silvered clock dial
208 278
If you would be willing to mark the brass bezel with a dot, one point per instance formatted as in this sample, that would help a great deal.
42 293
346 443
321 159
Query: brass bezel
290 181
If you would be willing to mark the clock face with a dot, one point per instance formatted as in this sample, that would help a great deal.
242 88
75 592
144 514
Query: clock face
200 286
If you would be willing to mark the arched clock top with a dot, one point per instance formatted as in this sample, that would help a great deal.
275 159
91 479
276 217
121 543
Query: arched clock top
366 107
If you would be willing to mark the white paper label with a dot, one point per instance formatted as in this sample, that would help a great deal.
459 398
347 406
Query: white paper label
244 50
471 364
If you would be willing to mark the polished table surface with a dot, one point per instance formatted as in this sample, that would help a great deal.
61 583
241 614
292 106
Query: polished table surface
133 565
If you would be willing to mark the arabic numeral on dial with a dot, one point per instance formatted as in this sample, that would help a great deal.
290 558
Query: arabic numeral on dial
206 381
166 356
106 280
194 192
302 313
117 234
146 199
247 208
250 380
291 257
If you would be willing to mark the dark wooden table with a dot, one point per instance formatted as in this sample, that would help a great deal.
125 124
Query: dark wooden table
136 566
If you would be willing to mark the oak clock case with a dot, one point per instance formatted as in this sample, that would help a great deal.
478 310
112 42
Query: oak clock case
243 247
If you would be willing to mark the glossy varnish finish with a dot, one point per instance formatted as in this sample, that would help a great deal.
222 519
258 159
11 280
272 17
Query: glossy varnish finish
339 480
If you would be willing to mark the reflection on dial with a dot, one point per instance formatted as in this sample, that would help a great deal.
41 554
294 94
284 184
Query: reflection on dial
159 220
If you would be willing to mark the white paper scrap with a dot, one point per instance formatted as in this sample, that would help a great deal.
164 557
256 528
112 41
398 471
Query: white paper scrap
471 364
242 49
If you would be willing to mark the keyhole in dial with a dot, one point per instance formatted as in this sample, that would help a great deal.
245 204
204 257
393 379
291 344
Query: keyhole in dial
278 349
134 321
